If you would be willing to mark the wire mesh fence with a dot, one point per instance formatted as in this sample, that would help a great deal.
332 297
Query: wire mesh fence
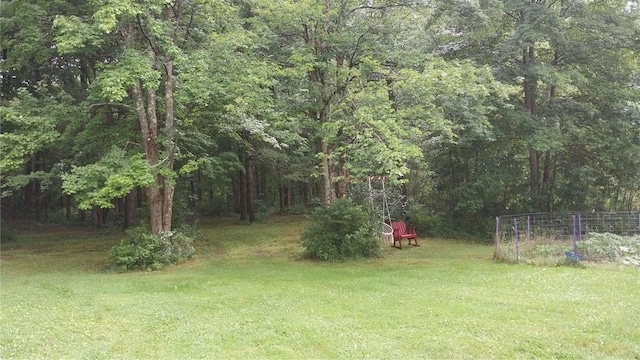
524 237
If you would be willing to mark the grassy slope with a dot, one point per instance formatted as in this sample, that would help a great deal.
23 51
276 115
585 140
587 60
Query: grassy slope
248 295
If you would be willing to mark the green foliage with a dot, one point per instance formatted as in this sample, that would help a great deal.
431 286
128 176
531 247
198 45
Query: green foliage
340 231
140 250
610 247
74 34
424 220
372 139
23 134
110 12
118 78
450 99
435 95
28 125
549 250
538 251
450 225
111 178
596 247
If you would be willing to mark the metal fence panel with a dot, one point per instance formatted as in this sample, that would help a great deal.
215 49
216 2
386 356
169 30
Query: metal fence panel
516 234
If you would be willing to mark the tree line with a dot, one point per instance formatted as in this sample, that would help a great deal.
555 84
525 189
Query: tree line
152 109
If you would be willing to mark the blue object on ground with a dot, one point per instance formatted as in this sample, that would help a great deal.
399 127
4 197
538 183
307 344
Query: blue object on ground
572 256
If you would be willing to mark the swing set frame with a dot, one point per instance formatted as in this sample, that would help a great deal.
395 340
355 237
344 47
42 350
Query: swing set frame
391 232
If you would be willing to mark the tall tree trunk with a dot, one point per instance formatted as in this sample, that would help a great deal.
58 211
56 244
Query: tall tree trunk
160 194
289 200
119 207
328 190
530 93
170 130
100 216
281 191
67 206
149 129
251 200
341 185
235 192
242 188
95 216
192 192
29 191
130 208
305 189
547 181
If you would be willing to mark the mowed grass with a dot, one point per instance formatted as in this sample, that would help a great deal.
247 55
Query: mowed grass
249 295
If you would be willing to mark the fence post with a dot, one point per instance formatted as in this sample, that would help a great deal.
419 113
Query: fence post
515 224
579 227
575 245
528 227
497 240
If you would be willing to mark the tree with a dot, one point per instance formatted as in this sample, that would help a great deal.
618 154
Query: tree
41 90
325 46
153 38
555 52
30 129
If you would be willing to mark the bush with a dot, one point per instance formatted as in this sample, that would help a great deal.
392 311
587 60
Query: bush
340 231
609 247
140 250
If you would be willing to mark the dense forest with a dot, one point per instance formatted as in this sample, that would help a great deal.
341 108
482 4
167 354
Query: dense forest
120 111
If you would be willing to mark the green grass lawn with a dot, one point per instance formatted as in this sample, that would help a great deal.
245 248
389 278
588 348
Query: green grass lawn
249 295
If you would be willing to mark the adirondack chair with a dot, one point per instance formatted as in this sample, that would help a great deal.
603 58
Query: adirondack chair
401 232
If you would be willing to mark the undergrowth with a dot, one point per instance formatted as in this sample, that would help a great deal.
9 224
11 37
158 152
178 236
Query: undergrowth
141 250
595 248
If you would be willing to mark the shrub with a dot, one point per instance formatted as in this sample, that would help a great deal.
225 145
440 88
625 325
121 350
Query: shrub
609 247
549 250
140 250
340 231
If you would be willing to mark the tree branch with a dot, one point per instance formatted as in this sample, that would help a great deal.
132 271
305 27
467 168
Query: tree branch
146 36
110 104
380 7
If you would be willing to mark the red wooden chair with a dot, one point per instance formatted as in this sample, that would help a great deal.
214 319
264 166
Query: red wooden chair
401 232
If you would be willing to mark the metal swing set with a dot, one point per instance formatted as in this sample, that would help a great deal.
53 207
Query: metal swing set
386 233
